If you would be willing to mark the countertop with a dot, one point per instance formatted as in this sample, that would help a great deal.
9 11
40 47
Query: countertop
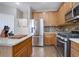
12 42
76 40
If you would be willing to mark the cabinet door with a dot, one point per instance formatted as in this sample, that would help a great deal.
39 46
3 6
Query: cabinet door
37 15
74 49
50 39
66 7
52 18
22 52
47 40
23 49
29 47
46 20
53 39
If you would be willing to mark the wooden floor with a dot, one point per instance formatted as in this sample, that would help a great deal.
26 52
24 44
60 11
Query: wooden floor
48 51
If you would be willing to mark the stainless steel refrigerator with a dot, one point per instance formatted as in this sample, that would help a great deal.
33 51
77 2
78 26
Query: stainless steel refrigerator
38 29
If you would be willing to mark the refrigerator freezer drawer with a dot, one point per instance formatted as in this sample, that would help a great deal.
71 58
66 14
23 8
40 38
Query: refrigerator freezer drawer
37 41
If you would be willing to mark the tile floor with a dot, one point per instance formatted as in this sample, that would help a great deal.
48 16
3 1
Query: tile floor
47 51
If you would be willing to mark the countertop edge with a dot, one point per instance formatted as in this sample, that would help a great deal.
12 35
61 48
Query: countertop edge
76 40
18 41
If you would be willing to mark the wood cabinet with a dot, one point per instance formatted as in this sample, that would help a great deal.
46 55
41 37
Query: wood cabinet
36 15
74 49
50 18
29 49
65 7
55 18
75 4
23 49
50 39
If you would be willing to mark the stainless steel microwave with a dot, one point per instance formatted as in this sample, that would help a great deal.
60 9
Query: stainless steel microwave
73 14
69 15
76 11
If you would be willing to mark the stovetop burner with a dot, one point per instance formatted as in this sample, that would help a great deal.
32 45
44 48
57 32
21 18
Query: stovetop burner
69 35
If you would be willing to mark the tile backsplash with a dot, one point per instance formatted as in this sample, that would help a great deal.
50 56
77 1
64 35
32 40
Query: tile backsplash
65 28
49 29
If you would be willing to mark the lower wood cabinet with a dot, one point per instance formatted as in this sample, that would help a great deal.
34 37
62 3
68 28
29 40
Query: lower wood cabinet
50 39
23 49
74 49
29 48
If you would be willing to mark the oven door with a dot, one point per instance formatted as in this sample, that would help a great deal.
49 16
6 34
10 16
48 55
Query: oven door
60 47
63 47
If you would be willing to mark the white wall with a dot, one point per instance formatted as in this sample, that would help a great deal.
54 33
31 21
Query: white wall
19 14
26 15
10 12
22 28
8 20
7 10
13 11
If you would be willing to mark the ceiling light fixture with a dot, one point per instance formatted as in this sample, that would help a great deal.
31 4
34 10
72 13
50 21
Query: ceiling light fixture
17 3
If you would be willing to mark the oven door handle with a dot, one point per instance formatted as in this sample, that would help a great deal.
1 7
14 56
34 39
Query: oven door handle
61 41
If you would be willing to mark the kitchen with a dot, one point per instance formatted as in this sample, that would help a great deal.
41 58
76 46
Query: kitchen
39 29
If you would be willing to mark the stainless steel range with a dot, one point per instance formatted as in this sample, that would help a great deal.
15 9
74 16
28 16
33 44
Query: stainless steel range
63 45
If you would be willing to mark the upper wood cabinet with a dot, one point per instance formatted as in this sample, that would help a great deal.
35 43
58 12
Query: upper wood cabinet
75 4
55 18
50 18
36 15
63 10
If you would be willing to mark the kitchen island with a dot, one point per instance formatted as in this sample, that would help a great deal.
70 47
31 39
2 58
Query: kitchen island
16 47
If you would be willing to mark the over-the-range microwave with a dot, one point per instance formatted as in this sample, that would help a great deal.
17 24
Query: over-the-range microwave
73 14
76 11
69 15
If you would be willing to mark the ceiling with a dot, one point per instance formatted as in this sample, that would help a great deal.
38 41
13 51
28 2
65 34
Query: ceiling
36 6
